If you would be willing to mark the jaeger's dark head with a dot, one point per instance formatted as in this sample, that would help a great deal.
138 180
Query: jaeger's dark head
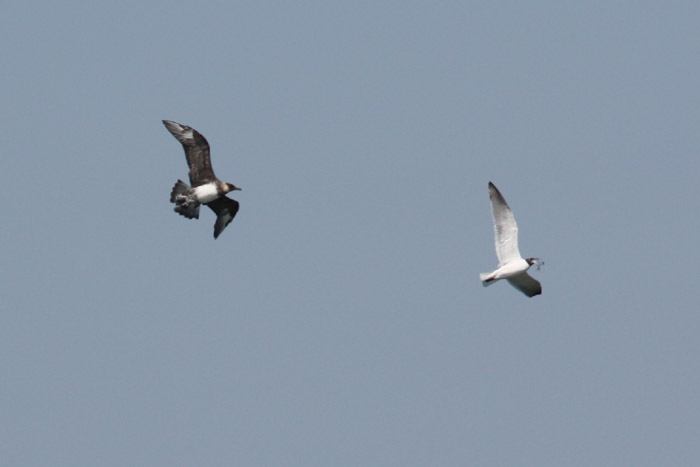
532 261
231 187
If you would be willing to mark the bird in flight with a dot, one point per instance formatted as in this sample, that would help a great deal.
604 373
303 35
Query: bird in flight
206 188
511 266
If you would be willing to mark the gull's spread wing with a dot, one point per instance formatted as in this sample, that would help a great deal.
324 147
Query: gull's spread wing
504 226
526 284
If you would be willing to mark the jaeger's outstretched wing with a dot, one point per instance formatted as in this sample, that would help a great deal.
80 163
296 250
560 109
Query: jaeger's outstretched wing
225 209
196 151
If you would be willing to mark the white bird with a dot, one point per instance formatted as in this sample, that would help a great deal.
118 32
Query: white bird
511 265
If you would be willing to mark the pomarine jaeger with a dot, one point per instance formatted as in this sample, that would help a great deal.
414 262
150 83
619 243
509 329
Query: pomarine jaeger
511 266
206 188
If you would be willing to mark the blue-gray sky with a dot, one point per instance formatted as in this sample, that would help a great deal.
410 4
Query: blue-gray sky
339 320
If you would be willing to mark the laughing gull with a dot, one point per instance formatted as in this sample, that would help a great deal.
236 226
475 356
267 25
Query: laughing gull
206 188
511 266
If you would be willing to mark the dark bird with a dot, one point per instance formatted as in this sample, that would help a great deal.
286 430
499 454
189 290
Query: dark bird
511 266
206 188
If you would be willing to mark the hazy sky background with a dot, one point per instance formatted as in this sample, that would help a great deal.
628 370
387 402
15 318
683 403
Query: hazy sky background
339 320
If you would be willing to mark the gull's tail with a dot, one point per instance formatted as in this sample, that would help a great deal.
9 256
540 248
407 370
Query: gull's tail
486 278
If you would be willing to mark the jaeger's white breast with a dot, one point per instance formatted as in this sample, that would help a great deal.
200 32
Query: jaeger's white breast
206 193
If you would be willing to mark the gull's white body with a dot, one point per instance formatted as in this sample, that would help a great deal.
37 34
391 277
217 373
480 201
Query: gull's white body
504 272
511 265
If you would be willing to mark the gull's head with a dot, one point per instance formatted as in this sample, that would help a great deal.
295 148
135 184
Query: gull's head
231 187
535 261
